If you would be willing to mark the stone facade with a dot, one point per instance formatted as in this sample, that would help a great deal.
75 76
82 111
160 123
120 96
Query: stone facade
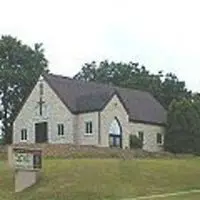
55 112
83 137
150 135
114 109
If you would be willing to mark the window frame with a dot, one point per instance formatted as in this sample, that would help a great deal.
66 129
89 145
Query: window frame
60 129
24 135
159 139
88 128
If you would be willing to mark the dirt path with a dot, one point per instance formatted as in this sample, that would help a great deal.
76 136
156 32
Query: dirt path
163 195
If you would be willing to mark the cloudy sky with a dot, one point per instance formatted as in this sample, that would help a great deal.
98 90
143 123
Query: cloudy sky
160 34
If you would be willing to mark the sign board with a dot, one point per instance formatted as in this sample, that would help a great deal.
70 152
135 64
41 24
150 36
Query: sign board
27 159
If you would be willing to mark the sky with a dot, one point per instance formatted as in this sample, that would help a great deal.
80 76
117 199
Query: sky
160 34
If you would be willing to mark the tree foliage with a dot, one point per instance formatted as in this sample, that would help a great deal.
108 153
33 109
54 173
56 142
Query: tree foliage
183 127
164 87
20 67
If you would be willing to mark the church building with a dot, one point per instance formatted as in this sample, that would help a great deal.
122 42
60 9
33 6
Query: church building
63 110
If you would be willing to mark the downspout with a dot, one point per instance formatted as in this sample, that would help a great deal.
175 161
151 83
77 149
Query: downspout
99 128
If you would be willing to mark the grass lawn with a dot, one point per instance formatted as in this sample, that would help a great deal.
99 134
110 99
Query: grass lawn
84 179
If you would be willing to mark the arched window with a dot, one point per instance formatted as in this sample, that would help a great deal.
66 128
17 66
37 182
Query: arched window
115 128
115 134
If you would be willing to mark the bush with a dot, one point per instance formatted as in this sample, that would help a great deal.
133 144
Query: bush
135 142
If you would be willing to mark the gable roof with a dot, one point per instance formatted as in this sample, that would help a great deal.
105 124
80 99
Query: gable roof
80 97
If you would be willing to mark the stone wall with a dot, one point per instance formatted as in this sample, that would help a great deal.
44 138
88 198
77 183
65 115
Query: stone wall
150 135
69 151
82 151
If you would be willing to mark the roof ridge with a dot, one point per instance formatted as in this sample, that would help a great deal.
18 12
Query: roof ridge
115 87
58 76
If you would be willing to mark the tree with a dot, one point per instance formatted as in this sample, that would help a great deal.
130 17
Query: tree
173 89
183 127
164 87
20 68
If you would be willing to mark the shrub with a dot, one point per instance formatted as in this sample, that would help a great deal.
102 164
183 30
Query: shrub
135 142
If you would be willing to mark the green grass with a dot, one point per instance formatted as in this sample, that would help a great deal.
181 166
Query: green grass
84 179
3 156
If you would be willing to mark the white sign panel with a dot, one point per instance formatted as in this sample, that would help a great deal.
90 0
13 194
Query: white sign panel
26 159
23 161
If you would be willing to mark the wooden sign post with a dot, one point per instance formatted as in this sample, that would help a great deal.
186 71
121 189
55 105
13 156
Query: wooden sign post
27 166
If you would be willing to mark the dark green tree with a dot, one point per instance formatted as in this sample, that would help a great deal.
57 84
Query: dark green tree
183 127
173 89
20 67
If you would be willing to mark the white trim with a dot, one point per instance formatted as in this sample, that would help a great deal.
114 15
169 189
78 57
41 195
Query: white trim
23 141
88 134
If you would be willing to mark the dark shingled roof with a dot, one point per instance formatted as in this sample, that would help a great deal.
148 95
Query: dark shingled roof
80 97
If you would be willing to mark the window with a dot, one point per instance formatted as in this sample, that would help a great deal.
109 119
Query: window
159 138
88 127
24 134
41 88
141 135
61 129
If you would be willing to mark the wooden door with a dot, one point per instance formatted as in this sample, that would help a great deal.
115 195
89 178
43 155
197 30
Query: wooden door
41 132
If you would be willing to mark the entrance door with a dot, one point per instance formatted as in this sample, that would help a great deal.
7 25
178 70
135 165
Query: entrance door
41 132
115 134
115 140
